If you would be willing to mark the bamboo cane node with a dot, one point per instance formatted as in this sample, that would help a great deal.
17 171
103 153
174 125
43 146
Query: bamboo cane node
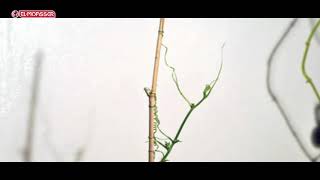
150 137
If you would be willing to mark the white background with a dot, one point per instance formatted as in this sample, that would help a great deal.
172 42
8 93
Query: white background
94 72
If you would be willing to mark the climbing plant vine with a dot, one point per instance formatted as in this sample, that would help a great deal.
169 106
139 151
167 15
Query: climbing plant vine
164 143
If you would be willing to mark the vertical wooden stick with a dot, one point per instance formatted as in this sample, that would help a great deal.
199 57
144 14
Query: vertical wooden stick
152 96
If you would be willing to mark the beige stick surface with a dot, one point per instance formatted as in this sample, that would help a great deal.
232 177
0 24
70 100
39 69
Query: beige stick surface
152 96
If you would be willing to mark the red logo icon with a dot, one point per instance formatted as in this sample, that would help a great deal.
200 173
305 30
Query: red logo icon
15 13
33 14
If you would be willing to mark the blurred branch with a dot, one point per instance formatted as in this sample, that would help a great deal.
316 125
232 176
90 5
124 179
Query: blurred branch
27 155
48 136
273 95
80 152
79 156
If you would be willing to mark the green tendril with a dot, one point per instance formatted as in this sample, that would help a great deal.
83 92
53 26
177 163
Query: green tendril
163 142
174 76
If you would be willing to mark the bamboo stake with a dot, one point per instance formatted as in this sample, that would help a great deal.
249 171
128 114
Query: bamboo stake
152 95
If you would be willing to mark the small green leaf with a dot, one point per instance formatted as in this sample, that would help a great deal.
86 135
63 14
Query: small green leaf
206 90
192 105
167 144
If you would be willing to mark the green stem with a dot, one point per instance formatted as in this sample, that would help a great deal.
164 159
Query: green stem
304 60
176 138
164 158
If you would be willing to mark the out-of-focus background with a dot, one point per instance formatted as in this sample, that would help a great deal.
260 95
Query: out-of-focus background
78 85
